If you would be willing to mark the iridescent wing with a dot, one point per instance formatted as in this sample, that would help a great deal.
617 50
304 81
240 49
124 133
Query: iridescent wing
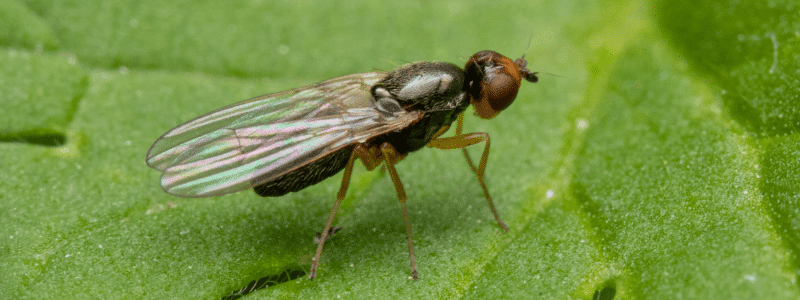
265 137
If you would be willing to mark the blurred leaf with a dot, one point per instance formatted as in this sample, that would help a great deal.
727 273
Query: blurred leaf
751 49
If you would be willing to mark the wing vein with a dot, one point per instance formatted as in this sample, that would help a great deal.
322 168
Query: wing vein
254 141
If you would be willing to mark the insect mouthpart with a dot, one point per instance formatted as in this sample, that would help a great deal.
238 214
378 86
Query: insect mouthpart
493 81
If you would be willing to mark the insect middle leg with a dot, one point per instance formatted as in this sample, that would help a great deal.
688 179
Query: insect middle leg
391 157
461 141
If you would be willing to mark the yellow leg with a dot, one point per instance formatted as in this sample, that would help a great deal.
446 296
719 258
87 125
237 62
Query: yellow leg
348 171
391 157
462 141
370 157
459 128
440 132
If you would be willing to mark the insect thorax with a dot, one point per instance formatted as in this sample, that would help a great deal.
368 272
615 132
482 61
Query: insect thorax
435 88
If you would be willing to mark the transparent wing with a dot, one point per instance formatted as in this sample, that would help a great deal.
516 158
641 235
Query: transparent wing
257 140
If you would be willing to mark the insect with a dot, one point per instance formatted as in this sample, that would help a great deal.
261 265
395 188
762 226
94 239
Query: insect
284 142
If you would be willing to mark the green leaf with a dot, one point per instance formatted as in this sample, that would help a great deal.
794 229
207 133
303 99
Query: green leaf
659 163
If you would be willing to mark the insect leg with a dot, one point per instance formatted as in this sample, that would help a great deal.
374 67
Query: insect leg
348 171
371 157
391 157
459 128
441 131
462 141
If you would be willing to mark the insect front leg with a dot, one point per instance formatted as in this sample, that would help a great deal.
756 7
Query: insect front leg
459 130
348 171
391 157
461 141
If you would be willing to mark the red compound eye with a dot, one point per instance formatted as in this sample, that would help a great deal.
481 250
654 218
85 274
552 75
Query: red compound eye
493 81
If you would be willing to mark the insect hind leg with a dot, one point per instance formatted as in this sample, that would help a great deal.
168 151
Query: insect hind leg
391 157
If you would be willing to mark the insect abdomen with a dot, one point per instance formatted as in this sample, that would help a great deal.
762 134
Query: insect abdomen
305 176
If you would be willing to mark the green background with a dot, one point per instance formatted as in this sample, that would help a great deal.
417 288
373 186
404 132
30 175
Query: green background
659 164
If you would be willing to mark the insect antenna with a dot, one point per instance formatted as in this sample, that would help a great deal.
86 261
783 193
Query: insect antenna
551 74
530 43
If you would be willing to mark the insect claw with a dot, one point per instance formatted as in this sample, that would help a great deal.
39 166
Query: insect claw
503 225
312 274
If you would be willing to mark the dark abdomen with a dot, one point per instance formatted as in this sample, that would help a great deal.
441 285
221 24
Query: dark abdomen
307 175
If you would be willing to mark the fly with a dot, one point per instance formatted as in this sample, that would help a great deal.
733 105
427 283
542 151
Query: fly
284 142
